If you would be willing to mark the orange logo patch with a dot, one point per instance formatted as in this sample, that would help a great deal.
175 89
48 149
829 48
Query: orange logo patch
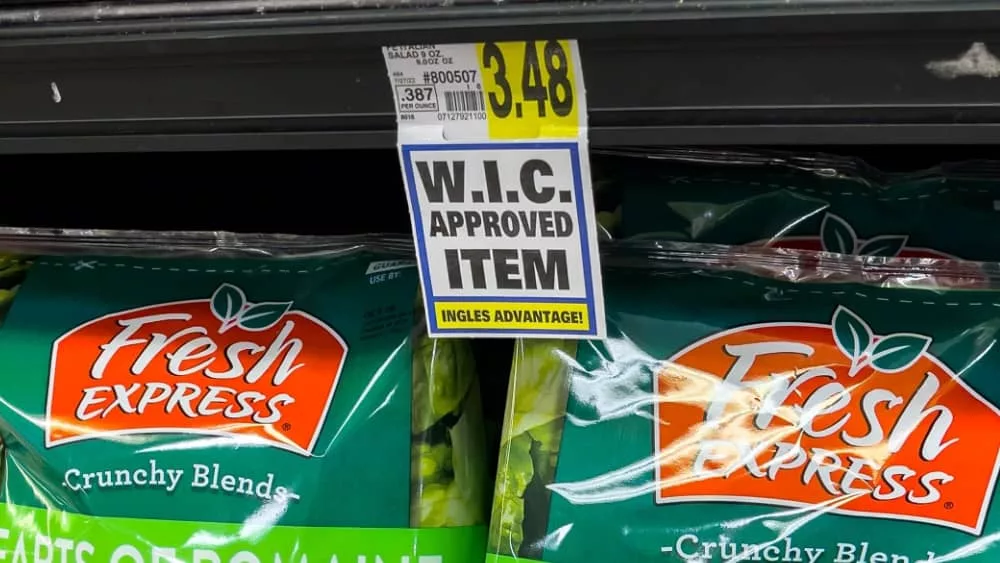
829 416
263 372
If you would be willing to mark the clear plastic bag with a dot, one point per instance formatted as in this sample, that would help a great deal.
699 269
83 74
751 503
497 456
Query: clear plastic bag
754 404
214 397
802 201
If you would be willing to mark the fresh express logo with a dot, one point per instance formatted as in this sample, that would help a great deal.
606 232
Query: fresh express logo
837 235
830 416
222 366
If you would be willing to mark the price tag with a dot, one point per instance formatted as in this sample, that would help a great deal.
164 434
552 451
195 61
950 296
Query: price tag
530 89
493 146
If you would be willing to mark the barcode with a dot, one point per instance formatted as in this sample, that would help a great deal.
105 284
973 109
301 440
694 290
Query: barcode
464 100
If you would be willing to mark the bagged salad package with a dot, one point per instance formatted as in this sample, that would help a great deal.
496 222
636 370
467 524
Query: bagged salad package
214 398
805 201
756 404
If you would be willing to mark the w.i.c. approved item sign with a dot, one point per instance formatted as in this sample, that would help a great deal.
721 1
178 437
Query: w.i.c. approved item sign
497 177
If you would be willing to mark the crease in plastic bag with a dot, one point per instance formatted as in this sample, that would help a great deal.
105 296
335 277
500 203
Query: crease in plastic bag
756 404
227 397
177 244
802 201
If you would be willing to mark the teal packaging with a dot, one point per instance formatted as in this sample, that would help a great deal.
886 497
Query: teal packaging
802 201
235 409
732 415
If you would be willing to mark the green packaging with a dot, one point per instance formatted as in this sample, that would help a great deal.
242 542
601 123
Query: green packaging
758 405
802 201
224 408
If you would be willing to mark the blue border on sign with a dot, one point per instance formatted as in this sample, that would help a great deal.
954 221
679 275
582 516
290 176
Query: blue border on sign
430 299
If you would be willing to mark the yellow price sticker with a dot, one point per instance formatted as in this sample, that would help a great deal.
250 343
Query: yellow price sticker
531 89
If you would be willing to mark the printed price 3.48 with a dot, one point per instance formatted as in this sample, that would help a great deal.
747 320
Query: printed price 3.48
553 90
530 89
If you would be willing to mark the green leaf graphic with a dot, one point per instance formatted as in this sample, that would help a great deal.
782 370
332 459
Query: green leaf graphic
836 235
262 316
852 335
227 301
896 352
885 245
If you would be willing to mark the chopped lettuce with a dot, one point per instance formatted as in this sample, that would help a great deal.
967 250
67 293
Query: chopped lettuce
442 506
448 470
532 431
507 518
538 384
443 370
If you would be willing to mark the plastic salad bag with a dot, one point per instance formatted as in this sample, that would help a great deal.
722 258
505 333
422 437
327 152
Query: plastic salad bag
804 201
220 398
759 405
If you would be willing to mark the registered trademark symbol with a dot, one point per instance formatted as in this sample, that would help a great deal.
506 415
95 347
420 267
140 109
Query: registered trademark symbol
949 505
286 427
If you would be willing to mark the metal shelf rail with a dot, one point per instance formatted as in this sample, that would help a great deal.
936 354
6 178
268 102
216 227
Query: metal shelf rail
308 74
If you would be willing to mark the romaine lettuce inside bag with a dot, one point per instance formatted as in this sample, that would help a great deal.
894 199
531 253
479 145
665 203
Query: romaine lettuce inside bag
732 415
235 409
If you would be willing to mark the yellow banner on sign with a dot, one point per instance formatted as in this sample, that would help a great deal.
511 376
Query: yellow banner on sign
531 89
570 317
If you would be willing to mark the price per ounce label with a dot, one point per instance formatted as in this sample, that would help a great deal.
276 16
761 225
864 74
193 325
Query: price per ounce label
493 145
